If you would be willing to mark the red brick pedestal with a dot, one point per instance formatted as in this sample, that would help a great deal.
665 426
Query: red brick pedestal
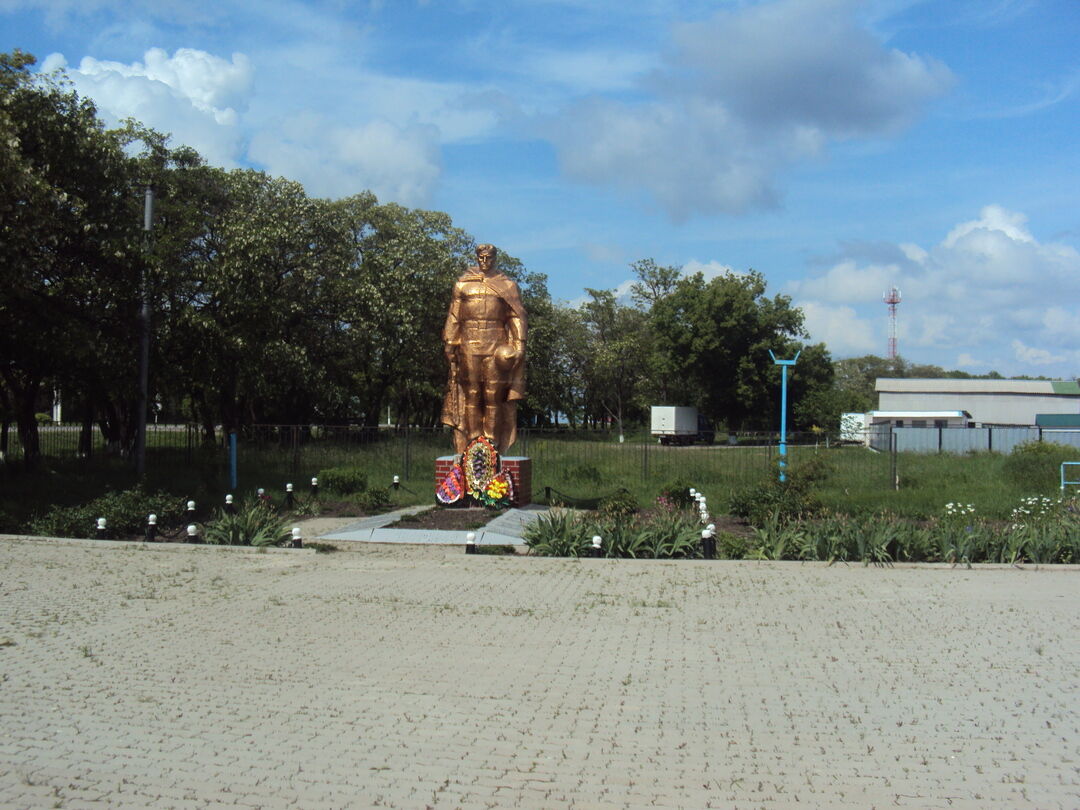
519 469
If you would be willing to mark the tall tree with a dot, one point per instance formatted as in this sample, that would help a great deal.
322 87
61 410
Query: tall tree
68 246
613 371
717 335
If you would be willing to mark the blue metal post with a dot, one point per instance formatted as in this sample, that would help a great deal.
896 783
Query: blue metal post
783 407
232 462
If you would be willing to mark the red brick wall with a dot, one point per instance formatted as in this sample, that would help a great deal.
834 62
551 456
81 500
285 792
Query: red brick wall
520 470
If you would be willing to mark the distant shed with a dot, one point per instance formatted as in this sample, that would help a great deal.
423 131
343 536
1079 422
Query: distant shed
990 402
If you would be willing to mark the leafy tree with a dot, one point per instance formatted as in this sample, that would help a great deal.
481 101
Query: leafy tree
654 282
397 269
68 245
613 371
717 335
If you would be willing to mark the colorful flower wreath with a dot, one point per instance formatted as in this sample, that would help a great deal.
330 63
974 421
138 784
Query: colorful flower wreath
477 474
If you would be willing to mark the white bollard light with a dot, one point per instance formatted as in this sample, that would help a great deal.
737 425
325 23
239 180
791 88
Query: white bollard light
597 542
470 543
297 539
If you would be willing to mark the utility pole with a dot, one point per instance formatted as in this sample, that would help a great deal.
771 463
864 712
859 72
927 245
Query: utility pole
144 339
783 408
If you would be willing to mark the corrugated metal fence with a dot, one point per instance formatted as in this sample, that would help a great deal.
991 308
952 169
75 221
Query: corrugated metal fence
965 440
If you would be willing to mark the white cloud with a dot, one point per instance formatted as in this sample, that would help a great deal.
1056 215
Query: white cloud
849 282
993 219
207 102
1062 323
1036 356
585 71
397 164
839 327
196 96
990 288
743 95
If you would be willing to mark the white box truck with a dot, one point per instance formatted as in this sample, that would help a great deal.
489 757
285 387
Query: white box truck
676 424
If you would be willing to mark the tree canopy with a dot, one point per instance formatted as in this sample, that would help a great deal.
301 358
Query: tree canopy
271 306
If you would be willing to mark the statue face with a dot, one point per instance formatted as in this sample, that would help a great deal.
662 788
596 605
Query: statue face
486 260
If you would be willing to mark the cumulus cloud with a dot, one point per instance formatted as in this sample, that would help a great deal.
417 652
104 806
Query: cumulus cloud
990 288
400 164
196 96
203 100
840 328
743 95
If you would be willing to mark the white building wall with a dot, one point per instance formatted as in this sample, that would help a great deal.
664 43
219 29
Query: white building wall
985 408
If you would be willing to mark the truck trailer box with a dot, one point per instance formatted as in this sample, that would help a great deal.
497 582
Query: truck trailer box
675 424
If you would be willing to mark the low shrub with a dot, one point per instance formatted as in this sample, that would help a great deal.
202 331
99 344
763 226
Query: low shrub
343 480
671 534
620 538
125 514
1036 466
676 493
619 504
374 500
731 546
788 501
559 533
256 525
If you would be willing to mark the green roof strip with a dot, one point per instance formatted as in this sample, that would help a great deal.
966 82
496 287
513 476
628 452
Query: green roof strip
1066 387
1058 420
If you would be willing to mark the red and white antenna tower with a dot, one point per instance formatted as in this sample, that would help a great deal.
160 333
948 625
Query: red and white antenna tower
892 298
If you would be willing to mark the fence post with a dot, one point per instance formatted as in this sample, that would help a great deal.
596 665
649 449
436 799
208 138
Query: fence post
895 479
644 462
232 461
407 456
294 435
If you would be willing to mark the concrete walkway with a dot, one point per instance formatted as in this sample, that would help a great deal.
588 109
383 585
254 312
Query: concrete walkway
416 676
506 529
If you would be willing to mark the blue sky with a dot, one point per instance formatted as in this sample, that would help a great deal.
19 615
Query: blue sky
839 147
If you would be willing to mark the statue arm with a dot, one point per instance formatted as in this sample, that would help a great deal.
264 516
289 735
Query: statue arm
517 327
452 329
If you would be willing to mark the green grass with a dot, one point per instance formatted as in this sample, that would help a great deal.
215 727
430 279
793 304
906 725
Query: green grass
856 479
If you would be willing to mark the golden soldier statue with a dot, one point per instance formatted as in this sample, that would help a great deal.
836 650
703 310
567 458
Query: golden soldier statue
484 341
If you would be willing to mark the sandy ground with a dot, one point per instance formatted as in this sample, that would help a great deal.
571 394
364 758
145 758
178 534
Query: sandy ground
421 677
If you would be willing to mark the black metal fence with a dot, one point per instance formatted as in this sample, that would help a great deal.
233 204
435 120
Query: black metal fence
570 461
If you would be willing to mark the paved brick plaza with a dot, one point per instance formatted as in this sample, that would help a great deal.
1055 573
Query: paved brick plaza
414 677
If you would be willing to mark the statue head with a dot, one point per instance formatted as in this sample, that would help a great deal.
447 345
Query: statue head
485 257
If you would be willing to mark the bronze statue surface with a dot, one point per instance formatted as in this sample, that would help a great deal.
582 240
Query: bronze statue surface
484 341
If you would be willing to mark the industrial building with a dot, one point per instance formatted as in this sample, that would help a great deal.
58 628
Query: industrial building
990 403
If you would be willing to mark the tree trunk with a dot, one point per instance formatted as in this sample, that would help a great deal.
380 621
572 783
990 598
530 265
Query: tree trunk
24 395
